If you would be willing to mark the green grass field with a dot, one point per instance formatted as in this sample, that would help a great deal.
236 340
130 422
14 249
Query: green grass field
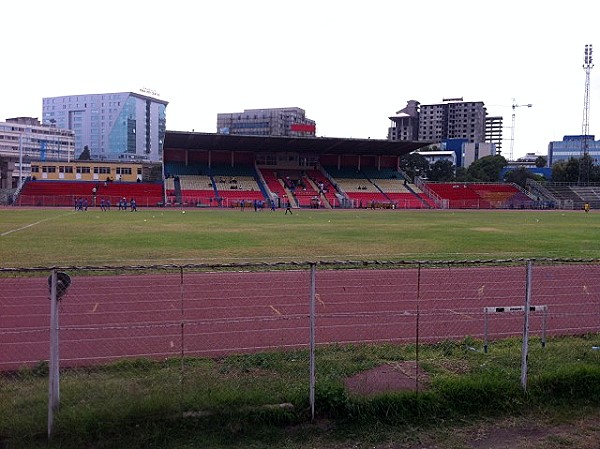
227 402
51 237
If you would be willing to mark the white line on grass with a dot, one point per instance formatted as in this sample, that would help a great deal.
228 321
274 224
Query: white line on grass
32 224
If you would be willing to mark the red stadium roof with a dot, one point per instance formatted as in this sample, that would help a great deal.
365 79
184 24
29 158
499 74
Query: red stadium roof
181 140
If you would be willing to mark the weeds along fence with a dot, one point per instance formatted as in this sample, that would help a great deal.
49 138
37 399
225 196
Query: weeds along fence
120 342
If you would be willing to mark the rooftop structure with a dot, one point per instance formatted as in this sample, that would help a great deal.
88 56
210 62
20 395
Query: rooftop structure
290 122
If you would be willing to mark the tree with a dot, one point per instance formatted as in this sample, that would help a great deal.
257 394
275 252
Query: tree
541 162
442 171
486 169
595 173
566 171
413 164
85 154
573 170
586 163
461 174
520 175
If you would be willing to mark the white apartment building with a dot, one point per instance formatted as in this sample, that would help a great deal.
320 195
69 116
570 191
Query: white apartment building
23 139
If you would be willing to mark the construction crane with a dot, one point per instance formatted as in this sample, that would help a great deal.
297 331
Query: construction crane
512 130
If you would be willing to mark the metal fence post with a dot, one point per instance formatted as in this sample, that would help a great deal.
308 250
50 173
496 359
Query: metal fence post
182 363
312 340
525 347
485 331
417 328
53 361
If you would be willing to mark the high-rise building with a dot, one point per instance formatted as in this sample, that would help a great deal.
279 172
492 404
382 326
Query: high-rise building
113 126
493 131
452 119
450 125
290 122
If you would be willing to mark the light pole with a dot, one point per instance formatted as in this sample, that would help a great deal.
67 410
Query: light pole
20 161
584 170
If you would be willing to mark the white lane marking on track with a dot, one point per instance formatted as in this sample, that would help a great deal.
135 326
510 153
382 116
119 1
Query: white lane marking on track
455 312
32 224
275 310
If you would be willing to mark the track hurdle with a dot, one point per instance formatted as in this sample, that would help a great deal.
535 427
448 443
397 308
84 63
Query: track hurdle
513 309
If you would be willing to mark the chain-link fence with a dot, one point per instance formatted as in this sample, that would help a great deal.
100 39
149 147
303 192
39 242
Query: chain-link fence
167 341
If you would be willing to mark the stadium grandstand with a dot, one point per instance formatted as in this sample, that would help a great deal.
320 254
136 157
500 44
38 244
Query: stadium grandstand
226 170
220 170
567 196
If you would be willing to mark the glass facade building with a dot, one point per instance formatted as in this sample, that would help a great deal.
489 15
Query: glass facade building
574 146
113 126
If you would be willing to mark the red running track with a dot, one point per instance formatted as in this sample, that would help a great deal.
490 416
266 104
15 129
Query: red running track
213 314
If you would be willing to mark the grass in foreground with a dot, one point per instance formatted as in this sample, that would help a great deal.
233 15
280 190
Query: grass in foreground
51 237
234 401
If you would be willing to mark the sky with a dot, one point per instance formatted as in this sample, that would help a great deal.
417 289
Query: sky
349 64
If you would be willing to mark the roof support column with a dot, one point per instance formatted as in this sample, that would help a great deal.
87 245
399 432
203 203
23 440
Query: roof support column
209 158
379 163
339 161
187 157
359 162
232 158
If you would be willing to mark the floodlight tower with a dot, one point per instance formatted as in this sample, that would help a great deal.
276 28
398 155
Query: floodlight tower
588 64
512 130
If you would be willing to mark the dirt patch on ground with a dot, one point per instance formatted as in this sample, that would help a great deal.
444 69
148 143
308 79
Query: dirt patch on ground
396 376
514 434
